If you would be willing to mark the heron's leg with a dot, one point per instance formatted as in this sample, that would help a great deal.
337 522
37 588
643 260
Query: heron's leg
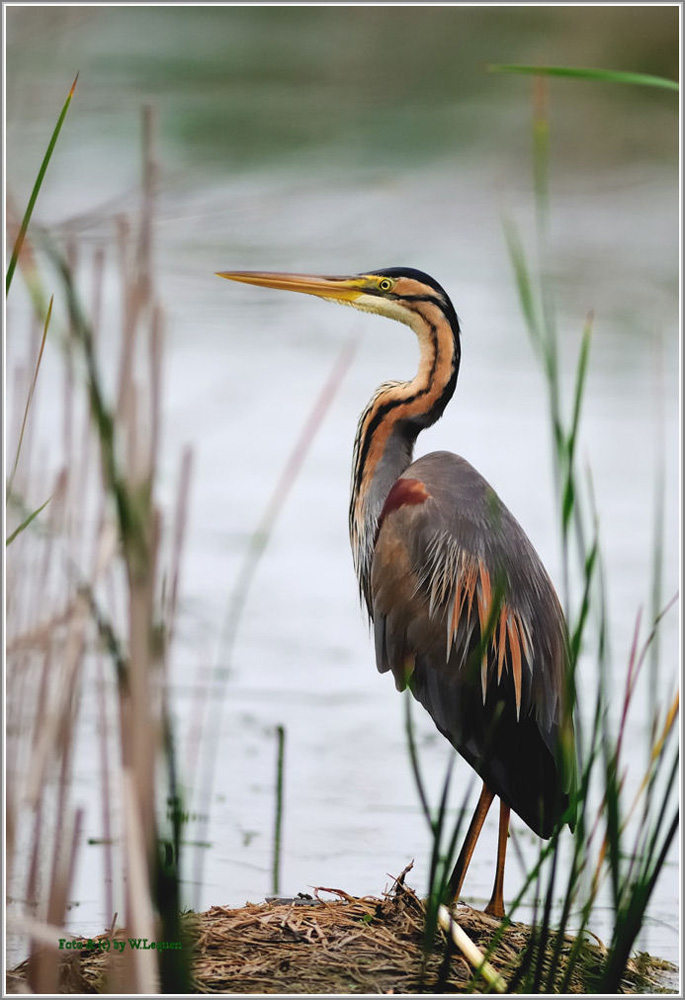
457 877
496 905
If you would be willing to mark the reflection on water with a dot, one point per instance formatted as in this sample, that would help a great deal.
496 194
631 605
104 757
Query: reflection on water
244 366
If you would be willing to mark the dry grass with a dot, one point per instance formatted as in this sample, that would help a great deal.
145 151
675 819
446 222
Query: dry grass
347 945
92 600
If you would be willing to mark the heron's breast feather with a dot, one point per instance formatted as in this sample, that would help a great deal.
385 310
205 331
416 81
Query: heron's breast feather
405 492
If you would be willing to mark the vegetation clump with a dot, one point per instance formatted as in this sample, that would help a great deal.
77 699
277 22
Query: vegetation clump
350 945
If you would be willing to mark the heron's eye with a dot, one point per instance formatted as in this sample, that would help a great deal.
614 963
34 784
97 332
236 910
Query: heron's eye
385 284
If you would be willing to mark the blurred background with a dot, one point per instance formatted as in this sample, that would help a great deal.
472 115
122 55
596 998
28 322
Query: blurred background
339 139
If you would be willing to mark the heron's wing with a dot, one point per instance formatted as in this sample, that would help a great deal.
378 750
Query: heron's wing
465 613
455 575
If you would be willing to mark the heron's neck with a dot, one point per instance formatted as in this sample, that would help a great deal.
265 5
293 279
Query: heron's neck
389 426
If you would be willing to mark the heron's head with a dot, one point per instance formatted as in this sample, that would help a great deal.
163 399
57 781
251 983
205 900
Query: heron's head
401 293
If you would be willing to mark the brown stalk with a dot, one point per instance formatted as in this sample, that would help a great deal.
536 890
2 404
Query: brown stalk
128 318
44 975
50 641
106 796
25 436
178 539
41 709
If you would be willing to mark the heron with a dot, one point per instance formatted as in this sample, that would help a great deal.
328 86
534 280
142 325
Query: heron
463 611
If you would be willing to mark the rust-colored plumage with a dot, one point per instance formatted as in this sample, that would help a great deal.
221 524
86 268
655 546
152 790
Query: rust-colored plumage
463 611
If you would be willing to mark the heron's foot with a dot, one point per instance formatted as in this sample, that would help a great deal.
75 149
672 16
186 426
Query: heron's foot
495 908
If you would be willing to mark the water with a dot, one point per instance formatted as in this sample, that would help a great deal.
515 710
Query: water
242 370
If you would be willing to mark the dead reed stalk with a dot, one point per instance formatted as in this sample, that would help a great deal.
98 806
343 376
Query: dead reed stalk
89 598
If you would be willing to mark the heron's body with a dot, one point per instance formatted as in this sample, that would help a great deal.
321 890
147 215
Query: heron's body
431 602
463 611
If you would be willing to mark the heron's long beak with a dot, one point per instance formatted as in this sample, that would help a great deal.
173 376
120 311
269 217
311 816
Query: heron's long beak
339 289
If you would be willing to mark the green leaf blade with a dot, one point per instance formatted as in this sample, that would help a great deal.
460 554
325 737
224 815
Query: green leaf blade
25 523
19 242
595 75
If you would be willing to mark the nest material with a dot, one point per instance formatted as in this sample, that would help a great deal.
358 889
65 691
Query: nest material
346 946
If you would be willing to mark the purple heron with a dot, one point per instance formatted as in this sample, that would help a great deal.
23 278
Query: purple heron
463 611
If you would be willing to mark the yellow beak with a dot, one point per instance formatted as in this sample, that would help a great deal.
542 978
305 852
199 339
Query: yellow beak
339 289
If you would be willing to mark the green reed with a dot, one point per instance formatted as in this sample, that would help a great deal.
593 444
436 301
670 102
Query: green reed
278 812
599 847
590 74
35 191
599 750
